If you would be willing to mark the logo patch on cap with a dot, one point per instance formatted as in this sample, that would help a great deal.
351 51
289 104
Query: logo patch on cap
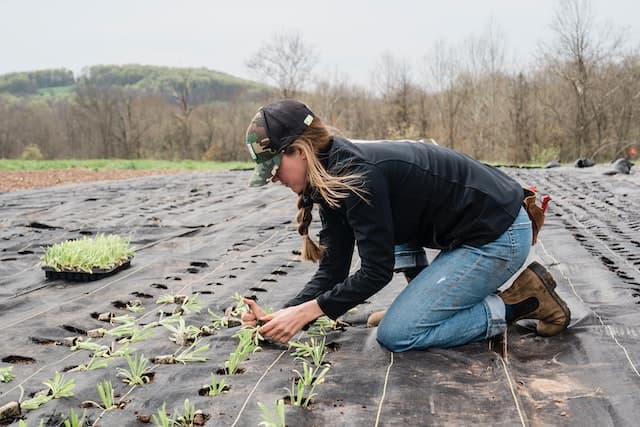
308 120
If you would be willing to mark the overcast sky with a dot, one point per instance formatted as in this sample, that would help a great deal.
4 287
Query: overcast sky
349 35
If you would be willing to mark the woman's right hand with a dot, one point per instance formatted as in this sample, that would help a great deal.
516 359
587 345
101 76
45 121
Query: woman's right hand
250 318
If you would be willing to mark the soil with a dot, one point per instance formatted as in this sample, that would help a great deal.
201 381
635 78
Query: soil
23 180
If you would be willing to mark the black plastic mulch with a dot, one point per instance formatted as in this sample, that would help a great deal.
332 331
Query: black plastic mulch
208 234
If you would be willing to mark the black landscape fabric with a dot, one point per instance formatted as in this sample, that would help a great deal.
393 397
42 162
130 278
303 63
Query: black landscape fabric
207 233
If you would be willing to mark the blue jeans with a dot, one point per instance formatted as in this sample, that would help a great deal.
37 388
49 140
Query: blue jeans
454 301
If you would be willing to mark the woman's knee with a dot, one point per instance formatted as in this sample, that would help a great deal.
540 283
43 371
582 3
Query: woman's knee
394 338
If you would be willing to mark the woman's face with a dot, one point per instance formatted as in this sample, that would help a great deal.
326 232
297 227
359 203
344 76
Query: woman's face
293 170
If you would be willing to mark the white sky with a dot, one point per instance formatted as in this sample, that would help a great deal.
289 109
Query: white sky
349 35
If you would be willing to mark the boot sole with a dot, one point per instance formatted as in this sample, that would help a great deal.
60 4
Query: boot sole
550 283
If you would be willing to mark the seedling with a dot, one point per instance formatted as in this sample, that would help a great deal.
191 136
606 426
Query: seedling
315 350
105 391
191 355
166 299
302 388
130 332
323 325
275 419
138 370
162 419
122 320
35 403
182 334
138 308
58 388
22 423
102 252
218 322
73 420
96 362
248 344
239 306
91 346
190 305
188 415
217 388
6 375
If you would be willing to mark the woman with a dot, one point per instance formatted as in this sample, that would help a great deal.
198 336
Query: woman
402 195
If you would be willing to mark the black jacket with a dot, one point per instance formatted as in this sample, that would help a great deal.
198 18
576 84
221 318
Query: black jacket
419 193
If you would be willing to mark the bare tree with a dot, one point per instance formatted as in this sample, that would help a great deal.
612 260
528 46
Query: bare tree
447 81
285 60
577 56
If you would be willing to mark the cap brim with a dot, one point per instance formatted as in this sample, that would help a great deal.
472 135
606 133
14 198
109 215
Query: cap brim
264 171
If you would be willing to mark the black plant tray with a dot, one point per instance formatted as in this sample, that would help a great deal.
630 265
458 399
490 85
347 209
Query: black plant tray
82 276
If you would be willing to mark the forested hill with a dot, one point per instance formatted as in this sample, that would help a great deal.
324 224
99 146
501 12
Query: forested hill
205 85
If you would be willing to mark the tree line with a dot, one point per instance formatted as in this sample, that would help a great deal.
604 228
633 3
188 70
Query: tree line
580 97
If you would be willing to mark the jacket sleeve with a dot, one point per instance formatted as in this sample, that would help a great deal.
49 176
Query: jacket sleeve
337 237
372 225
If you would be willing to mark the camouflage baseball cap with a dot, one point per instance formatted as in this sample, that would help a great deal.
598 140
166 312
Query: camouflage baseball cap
273 128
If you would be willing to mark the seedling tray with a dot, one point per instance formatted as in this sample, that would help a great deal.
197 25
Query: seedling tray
83 276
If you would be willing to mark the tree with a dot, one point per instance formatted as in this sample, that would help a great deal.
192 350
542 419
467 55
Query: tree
286 60
578 54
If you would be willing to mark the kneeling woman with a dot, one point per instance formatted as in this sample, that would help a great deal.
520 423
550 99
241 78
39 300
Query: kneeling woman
384 195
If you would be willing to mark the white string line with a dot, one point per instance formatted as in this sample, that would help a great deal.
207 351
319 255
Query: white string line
513 392
608 328
384 390
264 374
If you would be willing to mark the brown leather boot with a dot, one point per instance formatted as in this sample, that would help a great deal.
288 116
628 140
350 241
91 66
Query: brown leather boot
374 319
552 313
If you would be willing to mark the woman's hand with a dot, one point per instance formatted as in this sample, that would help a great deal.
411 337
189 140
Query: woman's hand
282 325
250 318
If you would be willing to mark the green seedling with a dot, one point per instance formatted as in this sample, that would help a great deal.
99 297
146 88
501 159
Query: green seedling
86 254
324 325
239 306
218 322
130 332
96 362
137 372
162 418
135 308
186 419
166 299
22 423
314 350
105 391
34 403
248 340
122 320
191 355
191 304
275 419
181 333
217 388
6 375
90 346
302 388
73 420
121 352
58 388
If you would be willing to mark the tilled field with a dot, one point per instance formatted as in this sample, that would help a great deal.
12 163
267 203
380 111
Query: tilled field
207 234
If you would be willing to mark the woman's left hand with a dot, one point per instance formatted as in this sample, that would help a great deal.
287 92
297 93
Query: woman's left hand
282 325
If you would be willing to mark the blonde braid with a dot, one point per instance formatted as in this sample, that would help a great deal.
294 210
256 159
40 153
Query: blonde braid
311 251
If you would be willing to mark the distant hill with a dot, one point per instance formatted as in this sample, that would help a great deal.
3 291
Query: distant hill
204 85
